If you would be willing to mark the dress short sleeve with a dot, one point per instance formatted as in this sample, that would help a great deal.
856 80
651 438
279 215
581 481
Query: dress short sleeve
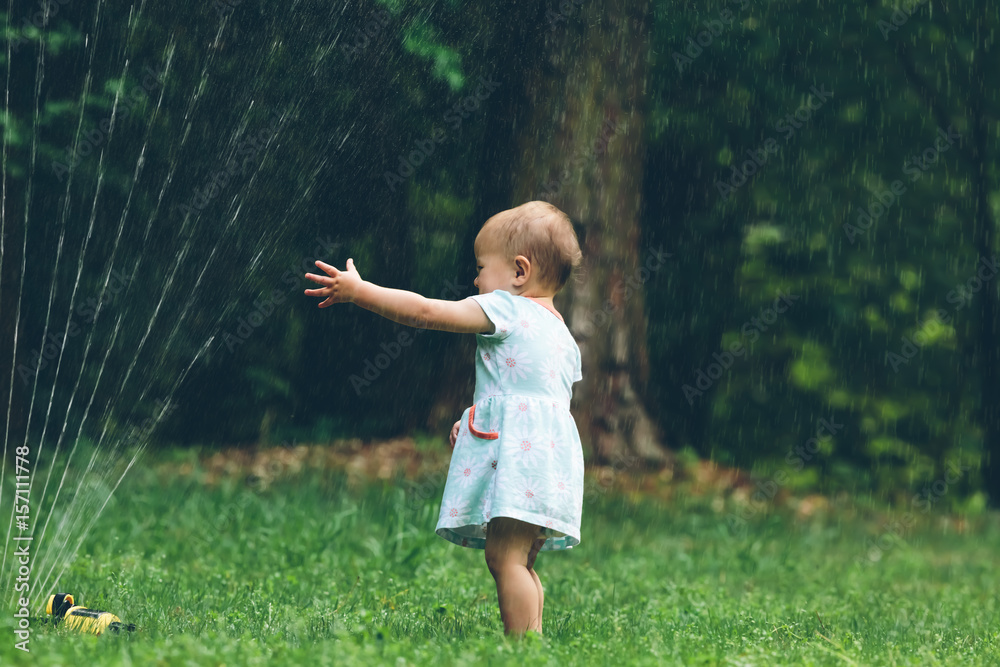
577 367
500 307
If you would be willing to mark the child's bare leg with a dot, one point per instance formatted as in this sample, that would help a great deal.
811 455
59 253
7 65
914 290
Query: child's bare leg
535 548
508 543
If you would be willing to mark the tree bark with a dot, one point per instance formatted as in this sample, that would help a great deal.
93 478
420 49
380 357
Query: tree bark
582 149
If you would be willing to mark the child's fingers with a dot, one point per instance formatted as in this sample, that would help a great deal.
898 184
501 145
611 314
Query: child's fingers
332 270
322 280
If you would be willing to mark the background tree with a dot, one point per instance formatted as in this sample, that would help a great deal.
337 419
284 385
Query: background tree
756 143
582 149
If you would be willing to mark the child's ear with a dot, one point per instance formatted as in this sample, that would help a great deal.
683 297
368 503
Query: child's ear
522 270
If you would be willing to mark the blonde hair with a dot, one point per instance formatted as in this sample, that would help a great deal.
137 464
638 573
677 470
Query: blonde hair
542 233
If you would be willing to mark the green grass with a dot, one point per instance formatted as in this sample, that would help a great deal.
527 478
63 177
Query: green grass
313 571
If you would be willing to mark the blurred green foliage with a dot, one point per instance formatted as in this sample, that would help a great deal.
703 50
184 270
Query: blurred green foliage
200 278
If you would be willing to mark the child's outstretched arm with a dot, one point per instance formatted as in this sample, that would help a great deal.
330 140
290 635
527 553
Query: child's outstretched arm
397 305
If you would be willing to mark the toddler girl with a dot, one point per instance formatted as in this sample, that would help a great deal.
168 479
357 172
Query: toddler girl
515 484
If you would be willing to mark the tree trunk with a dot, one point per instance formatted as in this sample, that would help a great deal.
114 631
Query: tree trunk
581 148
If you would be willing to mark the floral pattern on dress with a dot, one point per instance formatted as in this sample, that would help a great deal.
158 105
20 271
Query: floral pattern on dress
490 389
527 328
550 370
533 469
470 473
514 364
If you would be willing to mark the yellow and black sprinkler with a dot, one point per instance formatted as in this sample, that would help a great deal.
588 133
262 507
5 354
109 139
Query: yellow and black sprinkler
62 608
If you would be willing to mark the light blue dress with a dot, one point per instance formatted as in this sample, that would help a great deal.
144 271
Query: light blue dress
518 452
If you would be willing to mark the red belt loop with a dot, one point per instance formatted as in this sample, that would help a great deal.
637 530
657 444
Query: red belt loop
485 435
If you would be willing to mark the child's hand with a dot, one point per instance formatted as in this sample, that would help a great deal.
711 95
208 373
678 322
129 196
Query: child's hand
341 286
454 433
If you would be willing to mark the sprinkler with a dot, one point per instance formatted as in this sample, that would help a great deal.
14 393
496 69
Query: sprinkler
61 607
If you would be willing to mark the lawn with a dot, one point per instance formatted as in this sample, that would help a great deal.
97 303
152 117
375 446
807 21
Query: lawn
313 568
